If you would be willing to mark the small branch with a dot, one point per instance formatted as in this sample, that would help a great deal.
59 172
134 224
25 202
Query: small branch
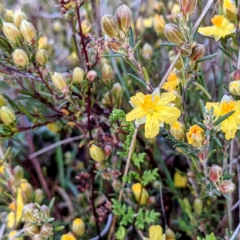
236 232
169 71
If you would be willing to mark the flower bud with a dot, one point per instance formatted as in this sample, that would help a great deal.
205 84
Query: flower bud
18 172
37 237
2 101
28 31
30 229
169 234
107 72
159 24
188 6
28 213
109 25
18 17
116 184
178 130
198 52
124 18
147 51
38 195
59 81
77 75
96 153
91 75
180 180
121 233
116 89
20 57
215 173
78 227
68 236
157 185
108 150
195 136
7 115
173 33
234 87
46 230
8 16
140 193
185 49
226 187
26 188
41 56
236 75
11 32
198 206
45 211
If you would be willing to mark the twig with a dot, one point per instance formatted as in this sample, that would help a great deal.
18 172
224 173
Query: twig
235 232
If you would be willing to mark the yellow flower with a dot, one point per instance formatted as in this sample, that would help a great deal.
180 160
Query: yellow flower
230 125
229 5
180 181
195 136
156 233
220 29
140 193
15 215
172 82
68 236
78 227
159 24
178 130
154 110
96 153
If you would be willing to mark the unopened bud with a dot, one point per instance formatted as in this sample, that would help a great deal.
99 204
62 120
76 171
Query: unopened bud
18 17
198 52
11 32
147 51
107 72
178 130
38 195
159 24
169 234
196 136
234 87
37 237
185 49
96 153
117 185
173 33
59 81
28 31
18 172
30 229
226 187
157 185
215 173
140 193
198 206
124 18
28 214
46 230
41 56
2 101
109 25
117 89
45 211
77 75
108 150
26 188
8 16
20 57
91 75
188 6
78 227
236 75
7 115
151 200
121 233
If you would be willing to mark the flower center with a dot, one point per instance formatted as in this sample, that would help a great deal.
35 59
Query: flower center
195 130
228 106
218 21
172 77
148 104
176 126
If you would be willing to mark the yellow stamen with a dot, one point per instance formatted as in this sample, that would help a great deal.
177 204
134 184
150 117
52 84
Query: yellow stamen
228 106
218 21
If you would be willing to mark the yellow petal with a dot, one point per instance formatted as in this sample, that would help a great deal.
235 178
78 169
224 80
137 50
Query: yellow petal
229 127
180 180
166 98
207 31
216 108
137 99
155 232
167 114
134 114
152 126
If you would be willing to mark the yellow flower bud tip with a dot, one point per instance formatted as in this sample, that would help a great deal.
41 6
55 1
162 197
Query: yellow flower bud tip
107 72
7 115
38 195
198 206
198 52
20 57
196 136
68 236
147 51
18 17
188 6
178 130
169 234
59 81
78 227
140 193
91 75
96 153
215 173
226 187
8 16
234 87
173 33
78 75
116 89
159 24
2 101
124 18
31 229
28 31
110 26
11 32
18 172
41 56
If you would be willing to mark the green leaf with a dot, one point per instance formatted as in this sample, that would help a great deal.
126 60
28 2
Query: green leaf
203 90
207 58
149 176
131 37
137 45
168 44
137 79
222 118
51 204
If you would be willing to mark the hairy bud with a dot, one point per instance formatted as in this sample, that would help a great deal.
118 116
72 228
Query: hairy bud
78 227
185 49
59 81
108 150
38 195
215 173
91 75
96 153
41 56
107 72
18 17
77 75
147 51
173 33
226 187
188 6
110 26
236 75
198 52
28 213
11 32
20 57
124 18
28 31
7 115
30 229
46 230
